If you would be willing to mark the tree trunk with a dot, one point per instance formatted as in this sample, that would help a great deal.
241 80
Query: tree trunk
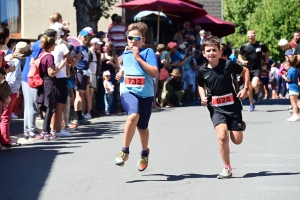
88 13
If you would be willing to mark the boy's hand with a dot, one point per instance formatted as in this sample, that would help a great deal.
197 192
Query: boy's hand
243 94
112 86
136 52
204 101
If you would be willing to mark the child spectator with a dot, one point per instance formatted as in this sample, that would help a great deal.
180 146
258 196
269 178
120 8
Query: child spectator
57 23
291 77
109 89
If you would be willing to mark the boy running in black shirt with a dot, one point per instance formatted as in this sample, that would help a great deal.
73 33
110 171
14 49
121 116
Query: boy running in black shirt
218 94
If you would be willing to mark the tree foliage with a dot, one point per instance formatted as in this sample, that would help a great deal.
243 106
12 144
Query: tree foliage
88 12
272 20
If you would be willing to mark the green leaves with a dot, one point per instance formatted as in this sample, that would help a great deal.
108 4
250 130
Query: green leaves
272 20
106 6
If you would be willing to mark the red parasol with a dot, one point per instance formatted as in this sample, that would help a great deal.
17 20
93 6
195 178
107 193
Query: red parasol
166 6
217 26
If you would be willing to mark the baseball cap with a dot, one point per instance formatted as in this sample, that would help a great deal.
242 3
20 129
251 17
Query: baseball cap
171 45
89 30
84 32
95 40
283 42
100 33
289 52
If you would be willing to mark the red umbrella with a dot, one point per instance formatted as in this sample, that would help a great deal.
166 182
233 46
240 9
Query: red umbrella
166 6
217 26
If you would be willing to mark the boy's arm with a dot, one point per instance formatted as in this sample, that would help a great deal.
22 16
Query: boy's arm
151 70
202 94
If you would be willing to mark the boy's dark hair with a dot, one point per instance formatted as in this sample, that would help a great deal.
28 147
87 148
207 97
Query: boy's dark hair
4 33
293 60
212 41
113 17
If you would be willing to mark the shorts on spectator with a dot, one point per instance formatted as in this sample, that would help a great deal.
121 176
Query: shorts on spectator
62 86
138 105
82 81
293 93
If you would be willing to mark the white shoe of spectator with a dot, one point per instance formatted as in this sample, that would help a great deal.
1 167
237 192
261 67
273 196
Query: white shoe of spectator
63 133
13 116
87 116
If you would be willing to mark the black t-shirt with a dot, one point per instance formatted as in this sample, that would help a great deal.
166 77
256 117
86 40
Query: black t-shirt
253 53
297 52
218 82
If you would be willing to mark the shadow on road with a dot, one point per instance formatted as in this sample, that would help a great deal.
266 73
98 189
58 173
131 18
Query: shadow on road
267 173
25 169
170 177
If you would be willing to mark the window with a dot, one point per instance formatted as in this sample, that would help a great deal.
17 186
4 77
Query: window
11 15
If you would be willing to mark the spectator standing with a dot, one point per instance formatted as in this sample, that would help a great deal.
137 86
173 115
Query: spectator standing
14 80
10 45
29 93
178 36
47 93
101 35
117 35
202 36
109 61
197 33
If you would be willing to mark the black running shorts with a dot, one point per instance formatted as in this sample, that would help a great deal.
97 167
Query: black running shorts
234 123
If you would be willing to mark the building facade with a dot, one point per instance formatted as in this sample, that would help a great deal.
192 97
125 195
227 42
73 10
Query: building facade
212 7
29 18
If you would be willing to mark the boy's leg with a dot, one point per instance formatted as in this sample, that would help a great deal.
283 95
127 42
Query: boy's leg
129 130
236 137
223 140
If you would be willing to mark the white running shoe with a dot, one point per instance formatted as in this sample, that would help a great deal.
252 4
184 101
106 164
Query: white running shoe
13 116
294 118
63 133
87 116
225 174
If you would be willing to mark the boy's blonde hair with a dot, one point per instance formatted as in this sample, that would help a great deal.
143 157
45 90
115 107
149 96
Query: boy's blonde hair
139 26
55 17
160 48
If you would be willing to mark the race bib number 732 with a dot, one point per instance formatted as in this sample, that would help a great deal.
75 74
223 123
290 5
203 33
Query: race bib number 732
134 81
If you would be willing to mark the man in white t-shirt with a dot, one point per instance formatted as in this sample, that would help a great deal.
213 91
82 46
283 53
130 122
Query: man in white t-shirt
60 53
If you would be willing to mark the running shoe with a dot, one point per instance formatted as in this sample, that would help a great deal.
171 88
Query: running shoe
225 174
251 108
294 118
121 158
143 162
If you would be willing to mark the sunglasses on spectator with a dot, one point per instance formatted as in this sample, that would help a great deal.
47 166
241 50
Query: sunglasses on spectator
87 36
251 35
135 38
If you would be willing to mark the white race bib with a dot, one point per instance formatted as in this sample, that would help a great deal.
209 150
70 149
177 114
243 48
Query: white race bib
258 49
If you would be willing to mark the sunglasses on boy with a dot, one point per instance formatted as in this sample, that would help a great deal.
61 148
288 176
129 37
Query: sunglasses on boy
135 38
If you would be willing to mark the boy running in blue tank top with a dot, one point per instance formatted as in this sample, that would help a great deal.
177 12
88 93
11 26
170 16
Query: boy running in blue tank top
137 92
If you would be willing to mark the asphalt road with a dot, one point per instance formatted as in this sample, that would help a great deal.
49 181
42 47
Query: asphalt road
183 163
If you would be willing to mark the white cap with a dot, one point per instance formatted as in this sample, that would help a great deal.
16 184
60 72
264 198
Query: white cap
106 73
283 42
95 40
182 46
202 31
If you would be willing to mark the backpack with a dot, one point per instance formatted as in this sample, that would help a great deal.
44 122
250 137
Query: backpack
34 77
